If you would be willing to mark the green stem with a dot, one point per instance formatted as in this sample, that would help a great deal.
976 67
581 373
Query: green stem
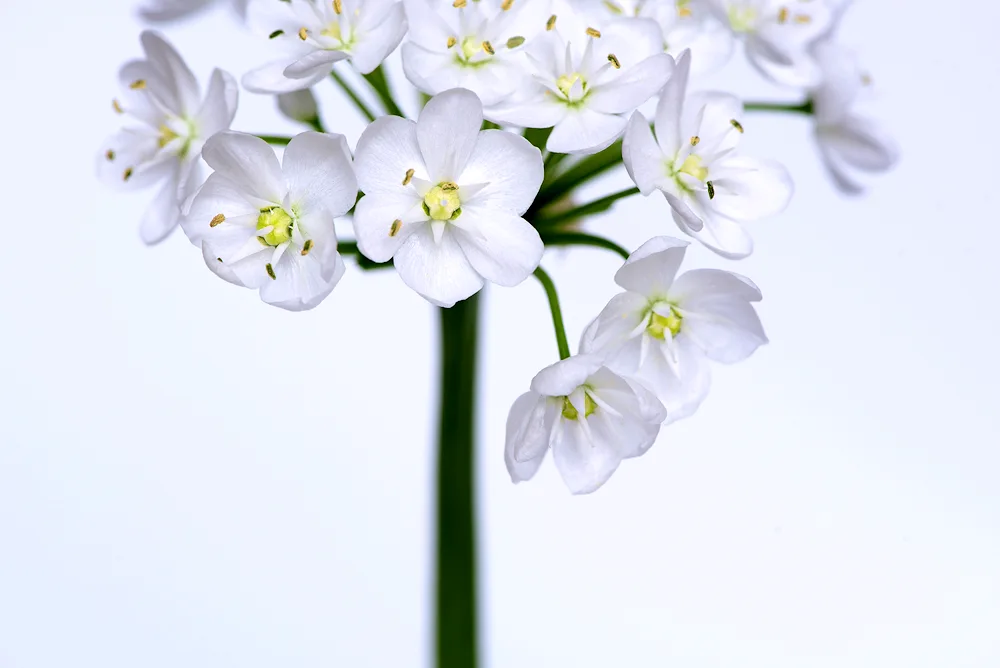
355 98
379 82
582 239
582 171
351 248
804 108
456 632
597 206
557 318
316 124
275 140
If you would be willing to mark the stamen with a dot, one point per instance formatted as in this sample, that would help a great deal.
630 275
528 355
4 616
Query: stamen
276 33
803 18
684 12
394 229
488 48
783 15
695 140
613 59
515 42
711 190
110 155
507 4
128 174
270 271
138 84
594 32
303 34
736 124
613 7
408 178
307 246
449 186
338 6
218 220
458 4
551 23
452 42
117 106
219 259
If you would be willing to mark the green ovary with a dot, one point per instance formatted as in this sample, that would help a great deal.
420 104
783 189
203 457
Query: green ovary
442 202
659 325
278 219
569 410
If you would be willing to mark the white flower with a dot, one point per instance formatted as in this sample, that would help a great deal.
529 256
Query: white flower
299 106
685 24
476 45
694 162
584 89
270 226
589 416
848 141
445 200
778 34
169 10
315 34
663 331
173 122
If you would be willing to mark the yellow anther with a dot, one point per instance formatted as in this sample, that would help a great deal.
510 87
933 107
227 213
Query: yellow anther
452 42
408 177
138 84
218 220
594 32
270 272
394 228
338 6
783 15
303 34
117 106
110 155
128 174
695 140
613 7
488 48
613 59
458 4
307 246
507 4
551 23
684 12
515 42
449 186
803 18
736 124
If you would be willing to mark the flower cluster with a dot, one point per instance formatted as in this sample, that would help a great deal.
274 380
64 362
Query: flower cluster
522 102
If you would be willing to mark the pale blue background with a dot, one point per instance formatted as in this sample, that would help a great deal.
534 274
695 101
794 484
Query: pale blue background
191 478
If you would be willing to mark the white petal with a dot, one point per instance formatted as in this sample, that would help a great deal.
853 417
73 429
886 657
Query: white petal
510 166
302 282
185 95
536 111
700 284
317 168
318 62
616 324
437 271
749 189
447 132
529 429
583 462
681 385
271 79
723 235
716 315
219 107
373 223
643 158
638 84
861 143
163 213
217 196
386 150
561 378
671 106
502 247
585 131
248 161
156 11
650 270
378 43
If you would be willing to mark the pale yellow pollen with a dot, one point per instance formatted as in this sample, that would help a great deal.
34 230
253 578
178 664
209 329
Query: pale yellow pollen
551 23
594 32
394 228
117 106
613 59
306 247
338 6
138 84
695 140
684 12
458 4
408 177
783 15
736 124
507 4
803 18
452 42
218 220
693 166
488 48
303 34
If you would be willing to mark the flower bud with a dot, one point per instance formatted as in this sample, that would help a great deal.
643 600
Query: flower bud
299 106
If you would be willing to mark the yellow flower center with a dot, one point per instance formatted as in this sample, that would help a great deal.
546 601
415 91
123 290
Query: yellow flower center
281 223
566 82
442 202
167 135
742 19
569 410
693 166
659 325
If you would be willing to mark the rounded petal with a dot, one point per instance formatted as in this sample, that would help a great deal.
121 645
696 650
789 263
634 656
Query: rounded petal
536 111
748 189
380 41
218 196
447 132
616 324
438 271
387 149
585 131
247 160
219 107
301 282
270 78
670 108
529 428
184 94
318 62
650 270
583 462
681 378
511 168
642 156
374 221
561 378
163 213
318 171
638 84
503 248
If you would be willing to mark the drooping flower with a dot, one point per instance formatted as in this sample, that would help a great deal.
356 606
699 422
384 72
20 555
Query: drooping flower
173 120
267 225
476 45
588 415
778 34
849 142
693 160
444 199
685 25
315 34
170 10
585 88
663 330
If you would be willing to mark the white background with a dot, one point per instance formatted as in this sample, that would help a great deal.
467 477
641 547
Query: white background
189 477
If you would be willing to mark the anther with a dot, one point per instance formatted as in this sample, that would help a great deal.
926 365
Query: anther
218 220
488 48
452 42
276 33
613 59
695 140
506 5
303 34
684 12
117 106
783 15
307 246
458 4
408 178
515 42
803 18
110 155
551 23
270 272
594 32
138 84
338 6
736 124
128 174
711 190
449 186
394 228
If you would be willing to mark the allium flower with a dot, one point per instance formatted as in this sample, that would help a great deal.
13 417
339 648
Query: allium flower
476 45
778 34
663 330
169 10
173 122
445 200
848 142
685 24
315 34
270 226
584 89
694 162
589 416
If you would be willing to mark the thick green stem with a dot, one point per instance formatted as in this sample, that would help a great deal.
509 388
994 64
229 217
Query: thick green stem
381 85
456 612
804 108
557 318
355 98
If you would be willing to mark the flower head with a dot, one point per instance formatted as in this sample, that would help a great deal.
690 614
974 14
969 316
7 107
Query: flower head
588 415
169 10
584 87
315 34
663 330
268 225
849 141
694 162
172 121
444 199
475 45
